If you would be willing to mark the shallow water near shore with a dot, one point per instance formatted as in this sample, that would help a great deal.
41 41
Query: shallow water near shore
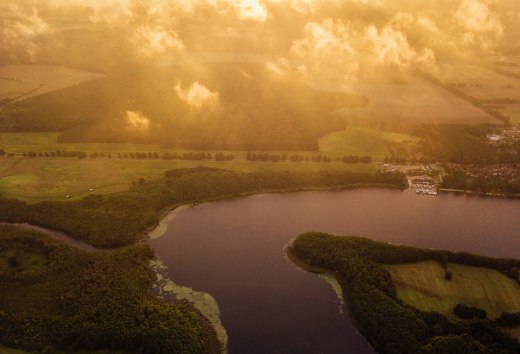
234 250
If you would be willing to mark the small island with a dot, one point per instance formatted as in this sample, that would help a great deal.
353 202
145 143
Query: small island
413 300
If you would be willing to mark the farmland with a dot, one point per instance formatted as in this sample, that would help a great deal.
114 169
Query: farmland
512 111
357 140
24 81
410 99
479 82
34 180
52 178
423 285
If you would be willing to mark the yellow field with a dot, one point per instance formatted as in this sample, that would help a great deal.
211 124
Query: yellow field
423 285
410 99
479 81
512 111
32 80
356 140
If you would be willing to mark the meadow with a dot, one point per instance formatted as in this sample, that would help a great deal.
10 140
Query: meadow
423 286
357 140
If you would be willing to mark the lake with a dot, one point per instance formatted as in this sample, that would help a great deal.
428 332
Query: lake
234 250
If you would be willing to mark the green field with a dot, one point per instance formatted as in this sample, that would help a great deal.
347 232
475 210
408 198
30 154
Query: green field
20 143
52 178
423 286
38 179
356 140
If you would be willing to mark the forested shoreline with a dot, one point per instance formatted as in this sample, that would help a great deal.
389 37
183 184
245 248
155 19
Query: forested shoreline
391 325
110 221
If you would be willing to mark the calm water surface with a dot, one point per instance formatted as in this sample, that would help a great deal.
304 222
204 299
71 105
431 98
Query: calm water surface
234 250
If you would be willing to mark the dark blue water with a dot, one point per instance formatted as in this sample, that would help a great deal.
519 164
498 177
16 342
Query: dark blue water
234 250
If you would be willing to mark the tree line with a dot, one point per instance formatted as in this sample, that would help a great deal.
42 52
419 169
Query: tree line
191 156
266 157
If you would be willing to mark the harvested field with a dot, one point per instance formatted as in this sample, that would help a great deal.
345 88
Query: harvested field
414 100
24 81
479 82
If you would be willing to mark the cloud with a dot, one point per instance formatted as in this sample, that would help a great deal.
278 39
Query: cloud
198 96
475 16
137 122
303 6
335 48
244 9
152 41
22 35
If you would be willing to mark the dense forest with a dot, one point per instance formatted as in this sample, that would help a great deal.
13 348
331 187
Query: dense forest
122 218
389 324
213 106
59 299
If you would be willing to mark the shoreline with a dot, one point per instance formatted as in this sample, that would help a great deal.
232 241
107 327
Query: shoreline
339 278
166 212
479 194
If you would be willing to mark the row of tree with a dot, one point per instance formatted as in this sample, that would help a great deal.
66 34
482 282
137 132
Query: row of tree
191 156
265 157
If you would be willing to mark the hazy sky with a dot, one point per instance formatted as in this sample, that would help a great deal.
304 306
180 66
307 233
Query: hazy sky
351 38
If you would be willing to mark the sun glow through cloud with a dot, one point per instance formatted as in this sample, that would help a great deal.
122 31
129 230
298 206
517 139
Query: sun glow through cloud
197 95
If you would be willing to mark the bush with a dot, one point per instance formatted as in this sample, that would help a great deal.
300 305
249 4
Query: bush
468 312
13 262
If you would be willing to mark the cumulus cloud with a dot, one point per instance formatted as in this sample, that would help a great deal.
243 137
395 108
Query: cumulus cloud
152 41
352 36
137 122
197 96
21 37
475 15
337 48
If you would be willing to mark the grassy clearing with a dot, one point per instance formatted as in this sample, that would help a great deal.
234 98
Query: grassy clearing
423 286
24 260
356 140
38 179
